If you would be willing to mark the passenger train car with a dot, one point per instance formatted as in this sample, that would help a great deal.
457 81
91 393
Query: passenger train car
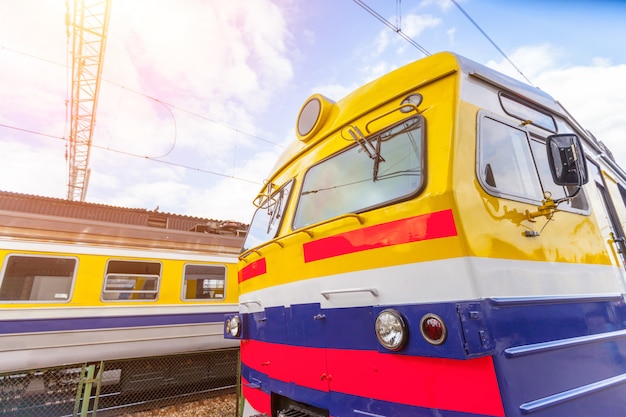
76 290
444 241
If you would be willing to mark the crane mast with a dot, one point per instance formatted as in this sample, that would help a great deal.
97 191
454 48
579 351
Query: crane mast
89 29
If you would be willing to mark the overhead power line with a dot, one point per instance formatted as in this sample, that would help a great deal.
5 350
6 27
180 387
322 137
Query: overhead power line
398 29
393 27
165 103
134 155
490 40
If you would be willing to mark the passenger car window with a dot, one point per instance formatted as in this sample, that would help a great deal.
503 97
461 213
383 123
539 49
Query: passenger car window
352 181
37 278
131 281
204 282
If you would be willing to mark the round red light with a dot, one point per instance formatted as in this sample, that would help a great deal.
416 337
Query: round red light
433 329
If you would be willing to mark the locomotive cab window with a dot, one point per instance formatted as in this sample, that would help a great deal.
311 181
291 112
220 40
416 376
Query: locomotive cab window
527 114
131 281
356 180
204 282
514 165
268 217
37 278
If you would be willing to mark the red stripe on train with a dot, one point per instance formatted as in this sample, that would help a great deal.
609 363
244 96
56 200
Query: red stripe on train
413 229
255 269
468 386
256 397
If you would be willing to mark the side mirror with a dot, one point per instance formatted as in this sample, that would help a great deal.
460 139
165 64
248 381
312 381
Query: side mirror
567 160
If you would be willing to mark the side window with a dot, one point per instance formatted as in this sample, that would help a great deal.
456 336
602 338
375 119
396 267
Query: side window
622 193
354 181
37 278
268 217
131 280
527 114
505 162
513 165
204 282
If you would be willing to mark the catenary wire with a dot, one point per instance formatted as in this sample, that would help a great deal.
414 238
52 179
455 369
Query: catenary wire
206 171
490 40
170 105
391 26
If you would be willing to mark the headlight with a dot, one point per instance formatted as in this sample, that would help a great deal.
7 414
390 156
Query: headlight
233 326
391 329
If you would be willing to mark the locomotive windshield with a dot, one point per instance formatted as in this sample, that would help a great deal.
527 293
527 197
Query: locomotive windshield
352 182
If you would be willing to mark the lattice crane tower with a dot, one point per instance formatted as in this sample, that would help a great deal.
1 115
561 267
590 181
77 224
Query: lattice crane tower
89 29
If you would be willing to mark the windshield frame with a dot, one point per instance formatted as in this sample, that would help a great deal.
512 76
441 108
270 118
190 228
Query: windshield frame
373 170
269 216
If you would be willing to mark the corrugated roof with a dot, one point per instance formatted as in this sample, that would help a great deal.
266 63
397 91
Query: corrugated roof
27 203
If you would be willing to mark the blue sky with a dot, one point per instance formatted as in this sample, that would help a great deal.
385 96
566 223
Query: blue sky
199 97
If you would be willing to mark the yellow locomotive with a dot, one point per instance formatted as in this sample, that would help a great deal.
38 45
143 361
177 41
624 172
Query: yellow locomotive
445 240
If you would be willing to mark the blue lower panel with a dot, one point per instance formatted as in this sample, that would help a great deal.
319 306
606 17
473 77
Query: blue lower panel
340 404
561 359
345 405
603 398
553 356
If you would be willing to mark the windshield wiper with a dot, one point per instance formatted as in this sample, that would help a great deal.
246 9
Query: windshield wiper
372 151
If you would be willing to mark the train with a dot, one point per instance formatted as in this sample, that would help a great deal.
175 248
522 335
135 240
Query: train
443 241
76 290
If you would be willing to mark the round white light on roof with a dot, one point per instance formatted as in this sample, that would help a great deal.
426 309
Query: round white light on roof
410 103
308 116
391 329
312 116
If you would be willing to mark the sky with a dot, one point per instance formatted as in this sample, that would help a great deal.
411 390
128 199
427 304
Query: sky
199 97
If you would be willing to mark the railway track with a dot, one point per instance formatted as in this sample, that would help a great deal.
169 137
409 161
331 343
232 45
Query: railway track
221 405
220 402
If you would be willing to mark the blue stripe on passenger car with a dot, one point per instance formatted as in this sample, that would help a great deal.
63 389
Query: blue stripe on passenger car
109 322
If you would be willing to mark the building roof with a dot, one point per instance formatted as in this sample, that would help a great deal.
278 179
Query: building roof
27 203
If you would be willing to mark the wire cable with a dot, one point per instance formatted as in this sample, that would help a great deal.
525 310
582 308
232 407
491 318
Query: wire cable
393 27
175 131
490 40
134 155
171 106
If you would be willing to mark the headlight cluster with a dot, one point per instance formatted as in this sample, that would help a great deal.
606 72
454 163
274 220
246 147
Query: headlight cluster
233 326
392 331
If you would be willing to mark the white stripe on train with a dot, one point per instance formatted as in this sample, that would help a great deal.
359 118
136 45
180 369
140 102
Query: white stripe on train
465 278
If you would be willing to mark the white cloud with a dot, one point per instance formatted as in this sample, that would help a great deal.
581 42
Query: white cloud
414 25
33 167
183 79
594 96
451 36
592 93
532 61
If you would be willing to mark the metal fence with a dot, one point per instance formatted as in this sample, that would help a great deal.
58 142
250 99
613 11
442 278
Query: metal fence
115 387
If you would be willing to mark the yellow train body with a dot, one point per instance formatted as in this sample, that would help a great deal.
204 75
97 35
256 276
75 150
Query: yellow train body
73 291
441 228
